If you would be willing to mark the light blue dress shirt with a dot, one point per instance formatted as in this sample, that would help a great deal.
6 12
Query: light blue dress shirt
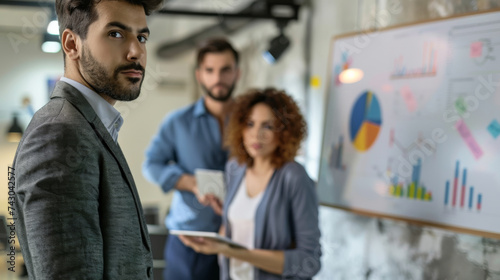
109 116
188 139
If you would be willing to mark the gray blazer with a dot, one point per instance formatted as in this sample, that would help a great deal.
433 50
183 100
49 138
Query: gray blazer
286 219
78 211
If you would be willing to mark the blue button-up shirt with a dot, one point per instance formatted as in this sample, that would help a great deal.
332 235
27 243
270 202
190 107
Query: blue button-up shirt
188 139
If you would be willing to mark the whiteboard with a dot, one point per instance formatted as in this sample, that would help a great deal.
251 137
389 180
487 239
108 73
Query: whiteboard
418 137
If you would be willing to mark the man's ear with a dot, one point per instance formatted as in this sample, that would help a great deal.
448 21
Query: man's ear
71 44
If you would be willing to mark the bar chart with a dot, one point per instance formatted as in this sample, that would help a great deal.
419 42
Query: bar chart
414 190
455 195
428 67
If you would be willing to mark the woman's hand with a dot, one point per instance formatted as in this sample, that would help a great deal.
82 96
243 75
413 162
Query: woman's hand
215 203
204 245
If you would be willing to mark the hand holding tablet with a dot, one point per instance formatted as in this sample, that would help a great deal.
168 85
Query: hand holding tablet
206 234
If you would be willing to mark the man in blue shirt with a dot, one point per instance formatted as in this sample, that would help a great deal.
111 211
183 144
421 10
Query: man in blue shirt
191 138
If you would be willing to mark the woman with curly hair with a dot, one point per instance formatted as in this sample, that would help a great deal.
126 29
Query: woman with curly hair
271 205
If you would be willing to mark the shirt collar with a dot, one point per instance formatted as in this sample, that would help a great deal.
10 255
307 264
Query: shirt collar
109 116
199 108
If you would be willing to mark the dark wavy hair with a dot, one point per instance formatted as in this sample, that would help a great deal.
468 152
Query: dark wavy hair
215 45
290 126
77 15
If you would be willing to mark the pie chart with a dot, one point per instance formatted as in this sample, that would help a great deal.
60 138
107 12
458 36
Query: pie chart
366 121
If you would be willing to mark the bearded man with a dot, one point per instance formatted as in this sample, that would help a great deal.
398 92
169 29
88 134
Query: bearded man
78 212
191 138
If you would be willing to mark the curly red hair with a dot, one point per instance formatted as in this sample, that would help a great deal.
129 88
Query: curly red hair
290 125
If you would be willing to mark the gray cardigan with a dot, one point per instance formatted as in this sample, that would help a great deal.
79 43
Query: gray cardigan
286 219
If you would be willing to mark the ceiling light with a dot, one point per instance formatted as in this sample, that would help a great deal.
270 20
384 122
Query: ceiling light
15 131
53 27
51 43
351 75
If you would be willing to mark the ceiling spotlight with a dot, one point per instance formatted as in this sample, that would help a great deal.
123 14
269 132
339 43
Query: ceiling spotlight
351 75
51 43
53 27
277 47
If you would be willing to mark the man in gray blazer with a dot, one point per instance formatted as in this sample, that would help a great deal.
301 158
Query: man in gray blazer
78 211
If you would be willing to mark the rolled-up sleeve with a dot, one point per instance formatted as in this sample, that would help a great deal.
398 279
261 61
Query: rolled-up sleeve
160 166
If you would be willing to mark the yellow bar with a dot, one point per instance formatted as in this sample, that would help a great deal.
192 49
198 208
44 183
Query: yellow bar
412 189
427 197
419 193
398 191
392 190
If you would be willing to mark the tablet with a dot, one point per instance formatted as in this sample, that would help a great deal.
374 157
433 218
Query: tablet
207 234
210 181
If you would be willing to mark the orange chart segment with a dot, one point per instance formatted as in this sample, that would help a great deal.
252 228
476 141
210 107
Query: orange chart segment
372 131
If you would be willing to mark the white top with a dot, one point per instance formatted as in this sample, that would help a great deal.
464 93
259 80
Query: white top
241 216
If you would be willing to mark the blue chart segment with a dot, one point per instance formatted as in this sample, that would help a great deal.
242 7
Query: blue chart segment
365 122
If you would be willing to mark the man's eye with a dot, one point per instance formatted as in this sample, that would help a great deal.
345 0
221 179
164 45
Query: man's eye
142 39
115 34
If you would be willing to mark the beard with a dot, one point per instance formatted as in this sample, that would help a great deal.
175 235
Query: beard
107 83
222 98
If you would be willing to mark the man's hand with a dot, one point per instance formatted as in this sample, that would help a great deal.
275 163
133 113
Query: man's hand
188 183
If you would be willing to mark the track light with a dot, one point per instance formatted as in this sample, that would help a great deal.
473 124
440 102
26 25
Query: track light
277 47
15 131
51 43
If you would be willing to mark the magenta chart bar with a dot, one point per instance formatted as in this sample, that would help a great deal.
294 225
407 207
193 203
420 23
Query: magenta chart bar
462 196
455 186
